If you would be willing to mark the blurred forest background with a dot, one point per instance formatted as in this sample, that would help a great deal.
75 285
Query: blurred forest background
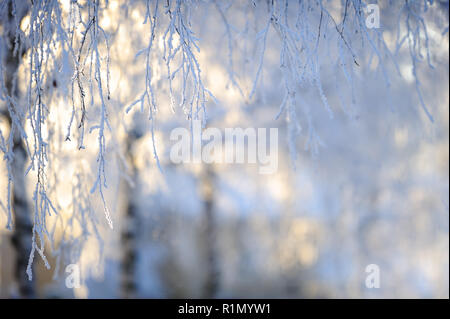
370 187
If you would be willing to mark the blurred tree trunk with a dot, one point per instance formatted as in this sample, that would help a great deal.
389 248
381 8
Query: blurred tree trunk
212 272
21 237
130 225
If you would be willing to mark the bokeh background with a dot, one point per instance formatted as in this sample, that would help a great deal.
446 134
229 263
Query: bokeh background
375 191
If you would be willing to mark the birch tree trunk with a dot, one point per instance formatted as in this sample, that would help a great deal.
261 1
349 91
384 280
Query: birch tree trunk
129 230
21 237
212 272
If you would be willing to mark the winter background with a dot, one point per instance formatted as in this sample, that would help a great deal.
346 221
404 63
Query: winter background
363 174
